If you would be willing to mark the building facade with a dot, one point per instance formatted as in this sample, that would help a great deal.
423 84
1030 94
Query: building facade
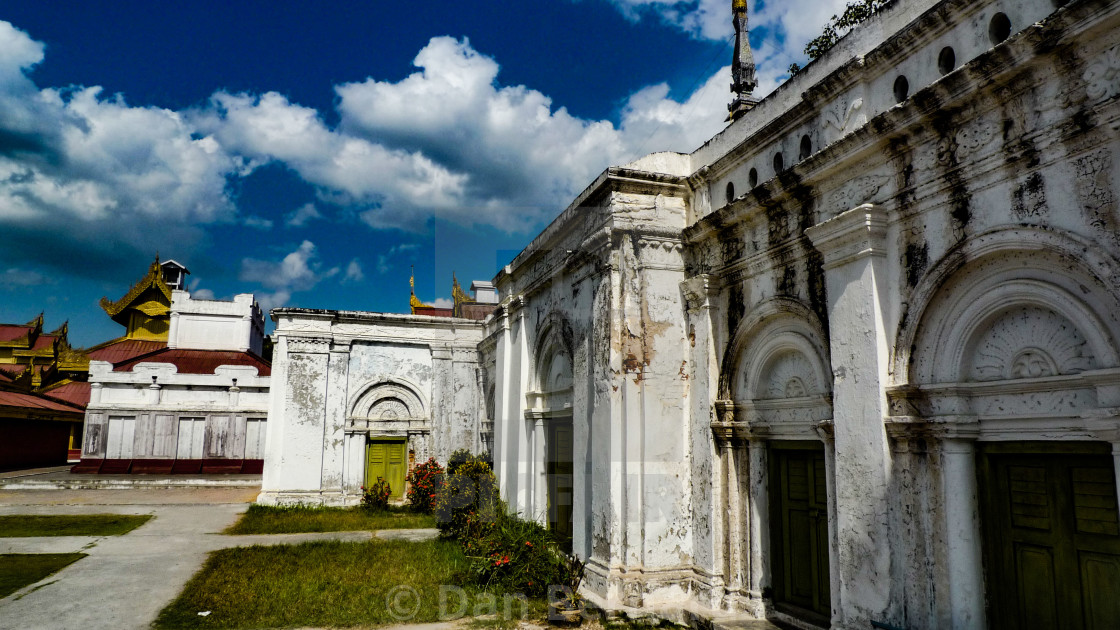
196 402
855 360
359 396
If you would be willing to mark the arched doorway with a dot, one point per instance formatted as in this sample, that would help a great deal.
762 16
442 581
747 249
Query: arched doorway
389 420
1009 370
551 411
779 391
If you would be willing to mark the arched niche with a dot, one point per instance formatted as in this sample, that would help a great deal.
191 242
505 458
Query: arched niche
1018 303
776 373
388 400
1011 336
551 389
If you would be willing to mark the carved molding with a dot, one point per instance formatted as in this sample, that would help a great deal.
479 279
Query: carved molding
698 292
1102 77
1030 342
852 235
309 345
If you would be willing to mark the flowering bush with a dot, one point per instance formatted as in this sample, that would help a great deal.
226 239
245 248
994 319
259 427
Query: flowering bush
376 497
457 459
507 553
467 504
516 556
425 481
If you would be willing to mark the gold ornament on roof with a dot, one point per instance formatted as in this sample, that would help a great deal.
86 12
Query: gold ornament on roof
414 302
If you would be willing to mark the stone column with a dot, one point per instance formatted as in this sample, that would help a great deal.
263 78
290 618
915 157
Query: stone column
540 478
758 515
826 432
296 419
442 402
962 537
502 374
734 522
854 249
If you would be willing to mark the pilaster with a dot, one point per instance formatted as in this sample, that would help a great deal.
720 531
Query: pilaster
854 248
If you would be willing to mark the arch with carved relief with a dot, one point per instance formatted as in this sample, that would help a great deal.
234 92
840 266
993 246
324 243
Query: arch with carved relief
1012 304
772 435
1003 380
552 365
388 399
776 371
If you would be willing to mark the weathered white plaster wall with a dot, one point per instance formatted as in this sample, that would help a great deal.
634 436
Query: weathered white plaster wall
155 396
342 378
237 324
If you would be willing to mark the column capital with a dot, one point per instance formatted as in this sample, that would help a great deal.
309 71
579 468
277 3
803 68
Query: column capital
308 345
858 233
698 292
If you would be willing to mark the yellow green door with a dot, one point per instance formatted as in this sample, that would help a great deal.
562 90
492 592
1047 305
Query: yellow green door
387 459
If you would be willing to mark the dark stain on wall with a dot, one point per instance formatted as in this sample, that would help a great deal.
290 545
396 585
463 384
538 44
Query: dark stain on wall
915 260
735 307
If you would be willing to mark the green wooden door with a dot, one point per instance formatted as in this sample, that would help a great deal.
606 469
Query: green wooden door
1052 538
387 459
560 483
799 530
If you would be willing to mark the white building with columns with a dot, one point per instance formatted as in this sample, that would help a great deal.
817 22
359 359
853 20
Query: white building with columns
856 359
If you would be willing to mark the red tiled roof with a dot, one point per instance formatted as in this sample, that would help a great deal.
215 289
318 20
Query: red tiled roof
123 349
11 332
431 311
43 342
75 392
30 401
198 361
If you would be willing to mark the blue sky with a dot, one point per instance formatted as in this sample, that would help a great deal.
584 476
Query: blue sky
313 152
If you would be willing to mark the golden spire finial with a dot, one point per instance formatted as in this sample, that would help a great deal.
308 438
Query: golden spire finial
414 302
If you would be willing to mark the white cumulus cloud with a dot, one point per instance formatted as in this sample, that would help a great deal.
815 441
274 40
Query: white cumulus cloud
302 215
300 270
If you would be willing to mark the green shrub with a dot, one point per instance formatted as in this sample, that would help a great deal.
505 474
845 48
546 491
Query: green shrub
467 504
457 459
516 556
376 497
425 481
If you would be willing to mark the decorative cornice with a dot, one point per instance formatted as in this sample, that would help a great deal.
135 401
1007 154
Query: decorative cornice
858 233
309 345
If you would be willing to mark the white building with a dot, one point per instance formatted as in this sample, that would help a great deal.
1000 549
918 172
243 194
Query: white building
367 395
197 405
854 360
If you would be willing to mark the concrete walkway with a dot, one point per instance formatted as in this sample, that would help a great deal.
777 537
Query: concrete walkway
126 580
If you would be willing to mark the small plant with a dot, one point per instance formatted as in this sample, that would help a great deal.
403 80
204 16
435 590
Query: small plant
376 497
855 13
573 577
425 482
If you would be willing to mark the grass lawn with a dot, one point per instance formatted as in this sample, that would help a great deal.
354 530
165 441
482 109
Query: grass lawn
263 519
17 570
331 584
22 526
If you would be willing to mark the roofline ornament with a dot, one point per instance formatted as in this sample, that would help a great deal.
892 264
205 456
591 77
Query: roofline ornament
154 279
743 80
